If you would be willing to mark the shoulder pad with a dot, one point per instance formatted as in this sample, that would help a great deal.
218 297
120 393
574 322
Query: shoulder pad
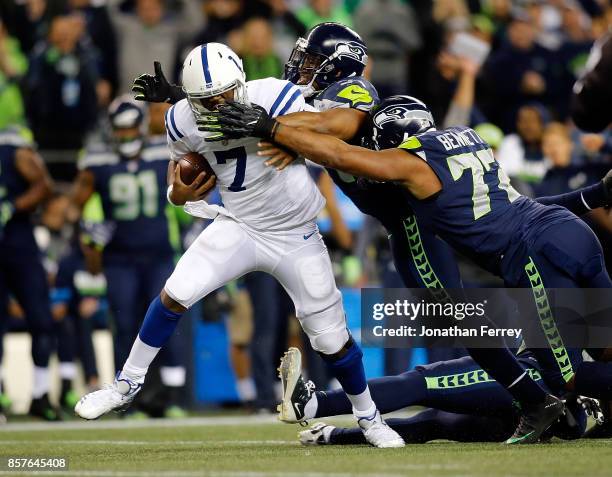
274 95
357 93
95 157
175 120
156 150
17 136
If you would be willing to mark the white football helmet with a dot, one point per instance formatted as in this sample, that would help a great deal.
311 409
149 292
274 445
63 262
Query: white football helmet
212 69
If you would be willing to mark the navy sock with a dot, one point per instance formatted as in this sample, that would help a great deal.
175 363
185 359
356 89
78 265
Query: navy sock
594 379
390 393
501 364
158 325
348 370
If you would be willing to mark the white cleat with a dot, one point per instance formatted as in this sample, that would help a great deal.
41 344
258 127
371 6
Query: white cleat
318 435
379 434
296 391
113 397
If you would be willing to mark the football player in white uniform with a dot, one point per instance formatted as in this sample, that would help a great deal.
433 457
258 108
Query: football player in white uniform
267 224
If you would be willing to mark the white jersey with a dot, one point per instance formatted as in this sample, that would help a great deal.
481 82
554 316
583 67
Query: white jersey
253 193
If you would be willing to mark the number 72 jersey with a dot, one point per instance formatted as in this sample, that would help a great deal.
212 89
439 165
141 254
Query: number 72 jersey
259 196
477 211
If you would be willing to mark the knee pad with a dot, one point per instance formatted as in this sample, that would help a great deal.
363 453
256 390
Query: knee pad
317 284
326 330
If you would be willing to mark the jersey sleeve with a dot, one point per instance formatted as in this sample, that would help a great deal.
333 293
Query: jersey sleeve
357 93
176 129
277 97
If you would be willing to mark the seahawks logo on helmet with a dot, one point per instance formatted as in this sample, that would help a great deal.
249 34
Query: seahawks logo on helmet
395 112
352 50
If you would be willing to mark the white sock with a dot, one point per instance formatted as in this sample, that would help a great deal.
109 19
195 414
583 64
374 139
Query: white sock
310 409
67 370
41 382
172 376
246 389
138 362
362 403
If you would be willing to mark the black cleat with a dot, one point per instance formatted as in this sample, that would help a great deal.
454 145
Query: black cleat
296 391
535 419
41 407
603 423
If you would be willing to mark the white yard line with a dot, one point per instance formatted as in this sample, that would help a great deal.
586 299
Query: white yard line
211 473
153 442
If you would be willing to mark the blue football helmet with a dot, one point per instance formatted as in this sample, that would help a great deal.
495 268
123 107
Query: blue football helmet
329 53
394 120
127 120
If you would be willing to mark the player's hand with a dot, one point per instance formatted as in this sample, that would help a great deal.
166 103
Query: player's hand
197 190
239 120
592 408
156 88
279 156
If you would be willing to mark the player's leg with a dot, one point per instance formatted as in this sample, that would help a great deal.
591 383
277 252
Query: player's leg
123 292
66 350
426 426
457 385
425 261
28 282
569 256
223 252
172 370
305 272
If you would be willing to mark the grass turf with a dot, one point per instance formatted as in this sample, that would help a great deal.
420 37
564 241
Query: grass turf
254 450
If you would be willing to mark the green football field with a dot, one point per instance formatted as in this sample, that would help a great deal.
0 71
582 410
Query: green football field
253 447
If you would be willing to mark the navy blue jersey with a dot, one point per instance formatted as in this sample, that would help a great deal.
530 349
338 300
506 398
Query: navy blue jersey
18 230
356 92
477 211
133 195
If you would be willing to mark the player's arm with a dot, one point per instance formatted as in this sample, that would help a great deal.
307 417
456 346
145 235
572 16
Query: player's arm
343 123
584 200
31 167
83 188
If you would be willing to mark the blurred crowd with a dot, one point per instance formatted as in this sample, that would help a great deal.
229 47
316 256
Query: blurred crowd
504 67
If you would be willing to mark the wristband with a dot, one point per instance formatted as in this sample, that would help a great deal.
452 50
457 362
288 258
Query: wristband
168 193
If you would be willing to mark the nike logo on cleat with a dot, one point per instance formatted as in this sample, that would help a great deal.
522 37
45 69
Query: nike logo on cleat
296 405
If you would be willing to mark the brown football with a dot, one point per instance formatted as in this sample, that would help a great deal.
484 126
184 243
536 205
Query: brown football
192 164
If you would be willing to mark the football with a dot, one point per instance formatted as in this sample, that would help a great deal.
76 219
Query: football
192 164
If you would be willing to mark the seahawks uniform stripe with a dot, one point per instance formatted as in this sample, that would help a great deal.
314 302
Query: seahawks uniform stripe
288 104
176 130
168 128
207 77
281 97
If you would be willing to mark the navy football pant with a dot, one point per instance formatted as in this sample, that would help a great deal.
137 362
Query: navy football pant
131 285
457 385
425 261
567 255
23 276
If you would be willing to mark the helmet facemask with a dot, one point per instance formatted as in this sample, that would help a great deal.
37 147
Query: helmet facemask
197 102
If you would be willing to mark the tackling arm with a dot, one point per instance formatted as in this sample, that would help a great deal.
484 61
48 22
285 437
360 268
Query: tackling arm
388 165
343 123
32 169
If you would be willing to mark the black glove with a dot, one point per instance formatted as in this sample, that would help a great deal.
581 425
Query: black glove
156 89
607 183
232 120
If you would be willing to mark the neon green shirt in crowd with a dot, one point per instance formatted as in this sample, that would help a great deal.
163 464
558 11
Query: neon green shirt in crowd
11 102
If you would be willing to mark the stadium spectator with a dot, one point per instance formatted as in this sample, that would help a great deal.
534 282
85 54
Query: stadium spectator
100 30
520 153
319 11
257 52
13 65
391 31
461 111
518 72
61 90
224 18
143 38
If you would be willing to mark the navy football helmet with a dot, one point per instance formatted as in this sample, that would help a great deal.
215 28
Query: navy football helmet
329 53
127 120
395 119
